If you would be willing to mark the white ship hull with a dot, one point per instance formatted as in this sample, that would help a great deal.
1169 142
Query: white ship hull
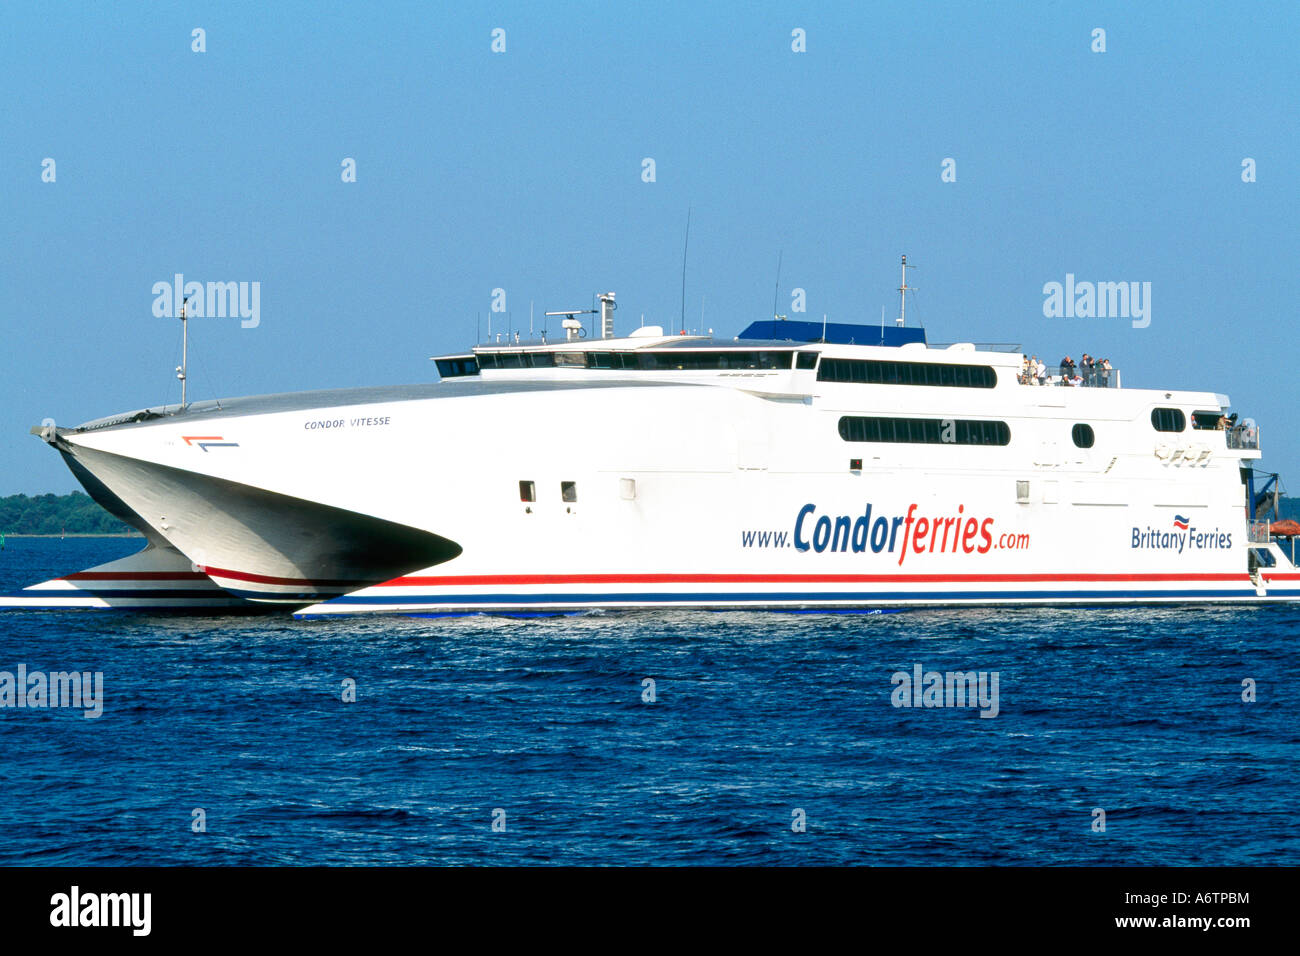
686 488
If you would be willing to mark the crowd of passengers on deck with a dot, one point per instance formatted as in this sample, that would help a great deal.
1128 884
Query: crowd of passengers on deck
1089 373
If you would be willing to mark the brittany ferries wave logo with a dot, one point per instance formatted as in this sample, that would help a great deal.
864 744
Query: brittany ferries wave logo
1184 537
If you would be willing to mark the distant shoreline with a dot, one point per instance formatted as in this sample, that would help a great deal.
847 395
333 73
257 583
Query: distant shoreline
120 534
56 516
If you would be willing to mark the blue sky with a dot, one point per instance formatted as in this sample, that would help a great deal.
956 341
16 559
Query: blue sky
522 171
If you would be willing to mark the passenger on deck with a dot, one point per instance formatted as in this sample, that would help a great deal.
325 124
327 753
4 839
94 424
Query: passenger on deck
1040 371
1086 368
1067 369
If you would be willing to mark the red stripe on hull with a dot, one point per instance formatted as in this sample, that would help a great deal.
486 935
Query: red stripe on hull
498 579
270 579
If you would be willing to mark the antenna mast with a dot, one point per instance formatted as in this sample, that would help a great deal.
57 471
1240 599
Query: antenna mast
902 291
776 293
185 348
685 248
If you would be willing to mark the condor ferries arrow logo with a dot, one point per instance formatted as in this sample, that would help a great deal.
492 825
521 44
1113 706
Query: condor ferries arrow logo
209 441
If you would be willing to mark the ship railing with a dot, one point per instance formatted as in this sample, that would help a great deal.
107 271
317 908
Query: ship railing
981 346
1245 437
1099 378
1257 532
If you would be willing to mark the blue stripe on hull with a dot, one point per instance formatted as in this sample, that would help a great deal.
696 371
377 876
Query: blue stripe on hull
864 597
206 594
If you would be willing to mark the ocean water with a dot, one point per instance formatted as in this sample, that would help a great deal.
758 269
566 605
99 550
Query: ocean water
541 724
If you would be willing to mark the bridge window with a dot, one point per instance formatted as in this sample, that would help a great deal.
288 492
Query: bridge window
1083 435
1168 419
457 366
569 490
515 360
611 359
925 431
527 491
805 360
683 360
873 372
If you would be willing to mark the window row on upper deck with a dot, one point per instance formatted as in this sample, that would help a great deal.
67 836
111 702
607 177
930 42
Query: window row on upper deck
683 360
638 360
864 371
875 372
924 431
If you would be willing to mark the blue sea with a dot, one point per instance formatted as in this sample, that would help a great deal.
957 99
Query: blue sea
760 723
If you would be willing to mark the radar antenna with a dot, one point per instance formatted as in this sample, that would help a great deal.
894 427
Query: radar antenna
573 326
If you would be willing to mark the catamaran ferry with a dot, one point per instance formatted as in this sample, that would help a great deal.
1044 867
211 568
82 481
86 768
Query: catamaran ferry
801 465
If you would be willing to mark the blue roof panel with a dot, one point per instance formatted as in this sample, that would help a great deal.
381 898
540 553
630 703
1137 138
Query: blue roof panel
839 333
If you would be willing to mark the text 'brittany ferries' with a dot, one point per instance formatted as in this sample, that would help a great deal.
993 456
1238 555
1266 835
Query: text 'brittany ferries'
1183 536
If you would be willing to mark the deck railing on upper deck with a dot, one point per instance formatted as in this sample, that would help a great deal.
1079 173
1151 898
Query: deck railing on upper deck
1097 378
1244 437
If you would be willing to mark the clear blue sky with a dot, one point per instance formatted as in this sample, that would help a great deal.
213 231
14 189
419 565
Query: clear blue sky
522 170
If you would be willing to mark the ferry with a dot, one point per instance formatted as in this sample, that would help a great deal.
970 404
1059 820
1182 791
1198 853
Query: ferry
800 466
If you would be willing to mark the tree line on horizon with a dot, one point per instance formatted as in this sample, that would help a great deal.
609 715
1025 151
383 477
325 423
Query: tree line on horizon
75 513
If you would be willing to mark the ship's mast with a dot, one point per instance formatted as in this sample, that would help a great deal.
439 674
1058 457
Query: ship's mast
185 347
776 292
902 291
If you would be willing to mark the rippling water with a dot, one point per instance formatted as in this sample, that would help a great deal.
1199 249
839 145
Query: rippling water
1137 712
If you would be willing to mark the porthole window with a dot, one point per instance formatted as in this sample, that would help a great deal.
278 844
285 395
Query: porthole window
1168 419
569 490
1082 435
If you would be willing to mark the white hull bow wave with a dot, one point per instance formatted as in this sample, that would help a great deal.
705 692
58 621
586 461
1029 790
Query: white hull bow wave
800 466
